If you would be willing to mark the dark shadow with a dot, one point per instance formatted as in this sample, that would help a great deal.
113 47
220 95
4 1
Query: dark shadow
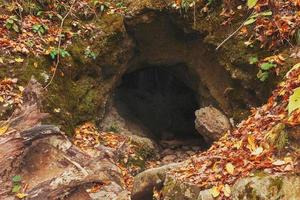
160 101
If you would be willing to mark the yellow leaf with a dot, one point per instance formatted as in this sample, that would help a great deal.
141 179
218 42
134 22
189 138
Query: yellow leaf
257 151
21 195
3 129
1 99
1 60
278 162
229 168
215 191
293 68
238 144
21 88
294 101
227 190
251 142
19 60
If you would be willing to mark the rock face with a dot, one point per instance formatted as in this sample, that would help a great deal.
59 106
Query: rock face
211 123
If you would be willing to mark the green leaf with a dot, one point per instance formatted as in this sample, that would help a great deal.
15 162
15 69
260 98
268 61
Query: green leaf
39 13
250 21
266 13
294 101
253 60
10 21
267 66
53 54
17 178
8 26
64 53
16 188
15 27
262 76
251 3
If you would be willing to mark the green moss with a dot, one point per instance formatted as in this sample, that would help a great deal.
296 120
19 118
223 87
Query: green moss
250 193
275 186
143 153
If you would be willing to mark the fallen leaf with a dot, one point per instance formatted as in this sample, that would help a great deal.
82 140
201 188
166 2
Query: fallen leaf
227 190
279 162
21 88
229 168
19 60
257 151
251 142
21 195
294 101
3 129
215 191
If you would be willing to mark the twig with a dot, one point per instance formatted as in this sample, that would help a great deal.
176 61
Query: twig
59 44
233 33
194 14
84 172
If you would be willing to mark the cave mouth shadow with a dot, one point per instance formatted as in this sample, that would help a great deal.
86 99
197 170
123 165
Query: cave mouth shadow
157 99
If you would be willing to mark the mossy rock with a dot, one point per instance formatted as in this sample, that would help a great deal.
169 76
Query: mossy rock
268 187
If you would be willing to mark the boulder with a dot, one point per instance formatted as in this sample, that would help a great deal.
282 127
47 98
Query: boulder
152 178
269 187
211 123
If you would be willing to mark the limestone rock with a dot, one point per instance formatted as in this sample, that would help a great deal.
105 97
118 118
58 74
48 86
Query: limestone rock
211 123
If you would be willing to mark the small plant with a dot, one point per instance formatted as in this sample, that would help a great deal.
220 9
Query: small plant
89 53
253 60
40 29
254 17
16 184
62 52
101 6
113 128
120 4
12 23
186 4
265 67
16 187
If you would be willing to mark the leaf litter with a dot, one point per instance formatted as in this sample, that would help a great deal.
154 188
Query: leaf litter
246 150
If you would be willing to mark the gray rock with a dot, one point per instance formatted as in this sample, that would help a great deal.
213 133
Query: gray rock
211 123
269 187
145 182
174 189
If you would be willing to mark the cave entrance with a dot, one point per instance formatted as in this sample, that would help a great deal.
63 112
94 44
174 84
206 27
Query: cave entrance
156 98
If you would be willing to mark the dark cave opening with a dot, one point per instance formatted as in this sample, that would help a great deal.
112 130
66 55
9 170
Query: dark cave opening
156 98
